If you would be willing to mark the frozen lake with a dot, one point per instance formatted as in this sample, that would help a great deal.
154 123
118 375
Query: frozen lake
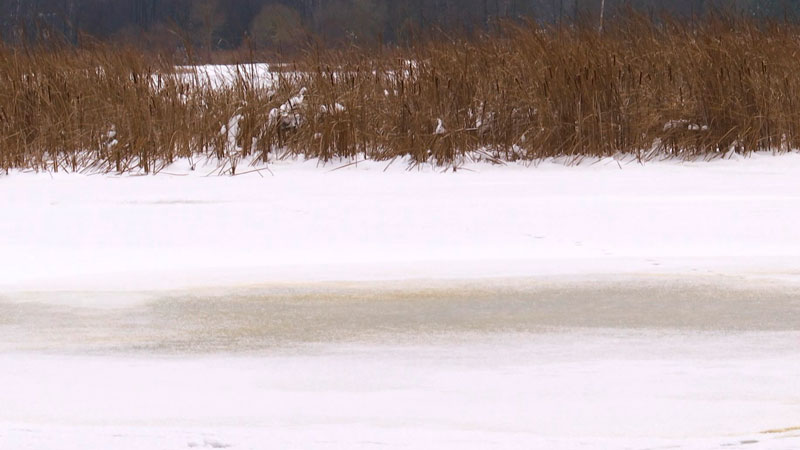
607 306
643 363
275 317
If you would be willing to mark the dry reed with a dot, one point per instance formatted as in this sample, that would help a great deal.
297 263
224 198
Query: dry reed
650 90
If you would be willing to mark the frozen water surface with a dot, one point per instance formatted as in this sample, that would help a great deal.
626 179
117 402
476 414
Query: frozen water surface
600 363
606 306
273 317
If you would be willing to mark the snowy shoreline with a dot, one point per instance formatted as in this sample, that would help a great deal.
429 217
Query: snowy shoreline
602 306
305 223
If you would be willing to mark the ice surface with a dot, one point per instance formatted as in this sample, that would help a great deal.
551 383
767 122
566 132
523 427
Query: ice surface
605 306
302 222
590 389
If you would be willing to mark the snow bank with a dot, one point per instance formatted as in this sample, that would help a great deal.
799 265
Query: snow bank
222 75
302 221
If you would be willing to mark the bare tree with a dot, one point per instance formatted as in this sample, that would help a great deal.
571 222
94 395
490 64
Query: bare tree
602 13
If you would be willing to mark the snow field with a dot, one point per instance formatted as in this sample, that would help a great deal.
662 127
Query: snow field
183 311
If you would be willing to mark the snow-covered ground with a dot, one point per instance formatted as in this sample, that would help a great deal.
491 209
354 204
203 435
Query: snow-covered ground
579 390
604 306
301 222
217 76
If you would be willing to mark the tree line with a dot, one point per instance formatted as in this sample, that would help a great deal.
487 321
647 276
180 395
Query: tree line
284 25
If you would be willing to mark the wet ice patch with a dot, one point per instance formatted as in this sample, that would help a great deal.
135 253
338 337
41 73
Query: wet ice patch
208 443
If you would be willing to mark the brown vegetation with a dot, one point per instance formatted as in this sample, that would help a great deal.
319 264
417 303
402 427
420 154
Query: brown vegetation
639 88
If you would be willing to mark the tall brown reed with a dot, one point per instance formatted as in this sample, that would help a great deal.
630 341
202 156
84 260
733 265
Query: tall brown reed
651 90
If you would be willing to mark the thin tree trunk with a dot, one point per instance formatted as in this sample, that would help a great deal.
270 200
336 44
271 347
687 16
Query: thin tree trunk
602 13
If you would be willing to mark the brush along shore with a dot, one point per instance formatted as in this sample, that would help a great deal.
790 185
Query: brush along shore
641 89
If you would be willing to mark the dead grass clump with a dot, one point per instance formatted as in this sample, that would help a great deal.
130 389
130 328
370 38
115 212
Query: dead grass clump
105 109
650 90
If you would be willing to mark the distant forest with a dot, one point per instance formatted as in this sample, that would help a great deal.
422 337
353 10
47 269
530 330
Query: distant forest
285 25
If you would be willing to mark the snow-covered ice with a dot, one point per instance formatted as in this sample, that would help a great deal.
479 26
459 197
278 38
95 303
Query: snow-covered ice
221 75
573 390
302 222
606 306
